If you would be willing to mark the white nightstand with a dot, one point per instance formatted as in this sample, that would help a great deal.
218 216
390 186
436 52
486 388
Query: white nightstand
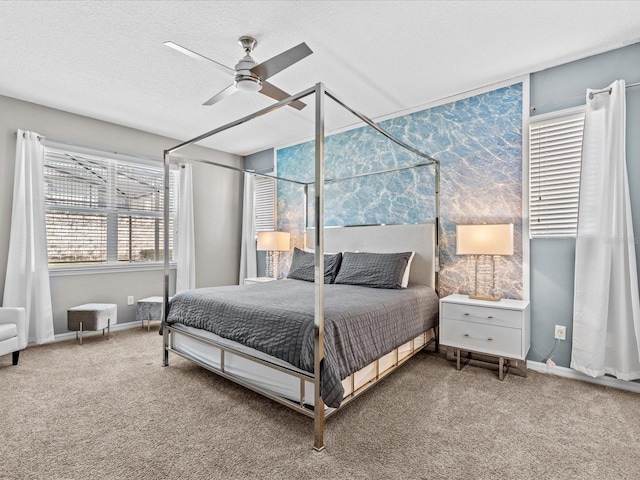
258 280
498 329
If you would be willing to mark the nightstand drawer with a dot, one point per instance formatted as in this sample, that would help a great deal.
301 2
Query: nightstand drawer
478 337
486 315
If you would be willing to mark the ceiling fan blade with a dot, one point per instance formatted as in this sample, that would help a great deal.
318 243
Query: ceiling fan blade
276 64
231 89
197 56
274 92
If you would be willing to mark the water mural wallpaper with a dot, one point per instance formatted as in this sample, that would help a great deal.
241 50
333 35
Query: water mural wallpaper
478 141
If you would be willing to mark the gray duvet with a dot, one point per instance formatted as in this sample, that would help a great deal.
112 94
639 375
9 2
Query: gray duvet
277 318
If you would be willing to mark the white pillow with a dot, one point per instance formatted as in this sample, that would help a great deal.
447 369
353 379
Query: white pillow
405 277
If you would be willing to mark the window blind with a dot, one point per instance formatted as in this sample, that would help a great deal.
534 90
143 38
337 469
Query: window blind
102 210
555 149
264 203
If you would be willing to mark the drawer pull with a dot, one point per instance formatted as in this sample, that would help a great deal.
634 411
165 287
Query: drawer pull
490 339
466 314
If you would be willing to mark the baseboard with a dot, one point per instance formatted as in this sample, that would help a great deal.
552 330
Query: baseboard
87 333
569 373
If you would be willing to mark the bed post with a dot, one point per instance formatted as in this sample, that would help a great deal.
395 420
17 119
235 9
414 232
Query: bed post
437 225
318 410
437 242
305 214
165 310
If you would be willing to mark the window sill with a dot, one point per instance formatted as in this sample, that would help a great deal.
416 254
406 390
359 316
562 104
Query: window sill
102 269
552 237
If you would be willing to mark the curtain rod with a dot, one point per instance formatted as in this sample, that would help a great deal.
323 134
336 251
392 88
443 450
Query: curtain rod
24 135
578 97
85 150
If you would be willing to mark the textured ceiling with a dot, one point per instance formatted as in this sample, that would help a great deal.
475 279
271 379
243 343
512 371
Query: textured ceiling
107 59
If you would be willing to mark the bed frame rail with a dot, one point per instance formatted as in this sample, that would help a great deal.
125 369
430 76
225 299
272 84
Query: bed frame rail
356 392
234 378
301 406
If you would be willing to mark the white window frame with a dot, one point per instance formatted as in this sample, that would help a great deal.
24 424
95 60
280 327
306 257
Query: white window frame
556 217
112 265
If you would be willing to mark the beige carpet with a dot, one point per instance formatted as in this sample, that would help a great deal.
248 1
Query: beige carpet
108 409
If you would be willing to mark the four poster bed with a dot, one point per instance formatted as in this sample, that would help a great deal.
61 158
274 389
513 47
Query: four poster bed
341 322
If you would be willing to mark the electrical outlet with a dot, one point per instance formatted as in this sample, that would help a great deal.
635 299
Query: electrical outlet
561 332
130 300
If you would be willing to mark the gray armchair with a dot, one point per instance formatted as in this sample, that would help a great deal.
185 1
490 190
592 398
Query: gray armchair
13 331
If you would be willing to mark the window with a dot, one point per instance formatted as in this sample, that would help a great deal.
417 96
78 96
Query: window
104 211
554 174
264 203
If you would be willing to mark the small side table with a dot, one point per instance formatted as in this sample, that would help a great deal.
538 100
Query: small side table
247 281
148 309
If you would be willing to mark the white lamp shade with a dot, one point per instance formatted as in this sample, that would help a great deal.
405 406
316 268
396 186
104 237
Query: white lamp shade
496 239
274 241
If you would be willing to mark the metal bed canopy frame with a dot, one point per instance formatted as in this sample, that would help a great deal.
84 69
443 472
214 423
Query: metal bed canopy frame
320 92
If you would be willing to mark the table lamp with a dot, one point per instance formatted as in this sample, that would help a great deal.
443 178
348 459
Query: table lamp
273 243
494 240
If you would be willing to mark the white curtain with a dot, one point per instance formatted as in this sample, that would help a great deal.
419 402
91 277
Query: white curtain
27 277
248 262
606 318
186 261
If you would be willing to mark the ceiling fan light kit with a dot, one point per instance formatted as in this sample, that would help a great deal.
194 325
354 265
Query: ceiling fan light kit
251 77
246 80
248 83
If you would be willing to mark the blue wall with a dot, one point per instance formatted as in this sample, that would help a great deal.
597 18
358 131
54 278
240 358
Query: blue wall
465 183
479 143
552 261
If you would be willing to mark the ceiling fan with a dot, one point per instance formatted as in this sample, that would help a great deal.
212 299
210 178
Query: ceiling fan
252 77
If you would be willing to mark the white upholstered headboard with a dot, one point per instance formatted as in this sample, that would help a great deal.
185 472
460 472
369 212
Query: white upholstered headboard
419 238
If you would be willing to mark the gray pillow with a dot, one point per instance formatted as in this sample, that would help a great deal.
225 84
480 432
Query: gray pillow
378 270
303 266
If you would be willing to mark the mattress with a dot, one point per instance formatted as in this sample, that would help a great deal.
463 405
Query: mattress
277 318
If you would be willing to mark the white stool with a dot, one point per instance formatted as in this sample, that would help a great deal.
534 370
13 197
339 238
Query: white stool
148 309
92 316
